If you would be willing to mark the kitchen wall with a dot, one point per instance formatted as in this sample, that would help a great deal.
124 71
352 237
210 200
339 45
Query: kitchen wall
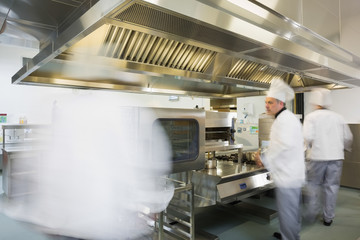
253 105
36 102
345 102
257 107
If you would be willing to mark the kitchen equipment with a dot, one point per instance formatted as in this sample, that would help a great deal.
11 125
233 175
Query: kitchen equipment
265 123
185 129
219 144
247 134
229 182
20 154
250 156
211 163
236 176
220 127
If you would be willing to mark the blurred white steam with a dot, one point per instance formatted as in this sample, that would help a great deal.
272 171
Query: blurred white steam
103 167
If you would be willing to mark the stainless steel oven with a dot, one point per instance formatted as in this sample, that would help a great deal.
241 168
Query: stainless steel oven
185 129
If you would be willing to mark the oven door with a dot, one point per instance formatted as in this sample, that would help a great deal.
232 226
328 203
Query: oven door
185 129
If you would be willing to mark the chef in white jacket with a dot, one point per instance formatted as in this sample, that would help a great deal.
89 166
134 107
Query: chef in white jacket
326 136
284 158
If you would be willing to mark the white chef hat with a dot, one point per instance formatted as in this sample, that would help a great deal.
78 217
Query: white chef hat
321 97
280 90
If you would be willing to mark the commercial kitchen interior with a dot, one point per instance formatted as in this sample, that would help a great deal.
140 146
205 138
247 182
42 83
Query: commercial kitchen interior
48 52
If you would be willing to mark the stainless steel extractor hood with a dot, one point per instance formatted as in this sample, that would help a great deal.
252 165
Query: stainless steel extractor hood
209 48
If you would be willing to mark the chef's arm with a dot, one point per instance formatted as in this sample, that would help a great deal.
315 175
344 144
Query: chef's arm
258 159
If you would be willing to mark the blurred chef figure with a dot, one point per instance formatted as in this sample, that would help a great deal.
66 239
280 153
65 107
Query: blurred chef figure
101 176
326 136
284 158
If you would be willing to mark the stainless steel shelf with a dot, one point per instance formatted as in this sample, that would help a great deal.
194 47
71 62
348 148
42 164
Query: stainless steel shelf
23 126
225 147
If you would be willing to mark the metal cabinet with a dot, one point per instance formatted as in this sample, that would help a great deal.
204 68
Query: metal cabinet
21 149
19 172
351 168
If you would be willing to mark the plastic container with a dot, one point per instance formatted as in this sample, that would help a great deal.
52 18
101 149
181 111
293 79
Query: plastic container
23 120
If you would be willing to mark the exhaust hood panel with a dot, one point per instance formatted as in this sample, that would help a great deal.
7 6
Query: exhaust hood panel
196 47
282 59
245 69
141 83
330 74
153 17
125 44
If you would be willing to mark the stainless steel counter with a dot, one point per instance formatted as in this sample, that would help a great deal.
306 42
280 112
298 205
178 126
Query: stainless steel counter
21 148
228 169
229 182
19 168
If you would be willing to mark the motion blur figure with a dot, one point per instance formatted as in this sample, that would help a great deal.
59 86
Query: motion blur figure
284 158
101 174
326 136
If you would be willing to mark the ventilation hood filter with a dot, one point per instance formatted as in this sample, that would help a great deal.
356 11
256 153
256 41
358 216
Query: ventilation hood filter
213 49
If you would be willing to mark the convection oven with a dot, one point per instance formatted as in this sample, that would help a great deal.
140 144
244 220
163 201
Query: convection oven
185 130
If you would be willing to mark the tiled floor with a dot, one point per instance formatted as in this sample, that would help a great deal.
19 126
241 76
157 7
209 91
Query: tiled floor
230 222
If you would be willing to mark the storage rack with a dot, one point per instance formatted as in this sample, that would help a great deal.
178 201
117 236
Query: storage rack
177 221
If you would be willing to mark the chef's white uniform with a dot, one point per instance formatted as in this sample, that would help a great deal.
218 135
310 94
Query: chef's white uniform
326 135
284 158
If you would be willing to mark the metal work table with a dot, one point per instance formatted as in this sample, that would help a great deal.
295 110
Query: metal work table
228 169
20 154
229 182
20 148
